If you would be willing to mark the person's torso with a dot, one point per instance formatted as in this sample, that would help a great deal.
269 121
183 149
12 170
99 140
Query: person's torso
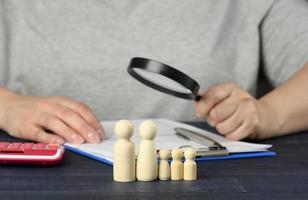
81 49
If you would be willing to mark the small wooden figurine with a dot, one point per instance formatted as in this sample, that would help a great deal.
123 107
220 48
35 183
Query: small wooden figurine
147 168
164 168
190 166
124 153
177 164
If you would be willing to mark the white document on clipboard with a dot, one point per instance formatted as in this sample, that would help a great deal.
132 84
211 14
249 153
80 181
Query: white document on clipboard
166 138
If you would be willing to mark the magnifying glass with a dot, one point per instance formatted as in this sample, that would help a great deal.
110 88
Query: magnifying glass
164 78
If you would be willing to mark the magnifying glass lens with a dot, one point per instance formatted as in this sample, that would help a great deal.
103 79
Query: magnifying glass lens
162 81
163 78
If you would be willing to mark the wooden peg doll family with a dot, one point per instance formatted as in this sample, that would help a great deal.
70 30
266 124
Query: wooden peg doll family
126 168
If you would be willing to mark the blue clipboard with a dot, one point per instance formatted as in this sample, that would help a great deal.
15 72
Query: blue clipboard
211 158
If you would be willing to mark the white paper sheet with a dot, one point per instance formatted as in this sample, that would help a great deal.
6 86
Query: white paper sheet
165 138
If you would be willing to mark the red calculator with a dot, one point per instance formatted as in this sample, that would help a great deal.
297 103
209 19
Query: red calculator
30 153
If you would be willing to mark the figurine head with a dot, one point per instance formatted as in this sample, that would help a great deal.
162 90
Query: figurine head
124 129
177 153
147 130
164 154
190 154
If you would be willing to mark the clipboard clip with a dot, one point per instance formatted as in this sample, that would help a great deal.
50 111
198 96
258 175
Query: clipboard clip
214 147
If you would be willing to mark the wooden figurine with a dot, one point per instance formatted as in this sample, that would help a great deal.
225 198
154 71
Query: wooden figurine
177 164
147 168
164 168
124 153
190 166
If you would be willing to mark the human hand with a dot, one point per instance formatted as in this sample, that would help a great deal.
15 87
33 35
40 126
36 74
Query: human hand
50 120
235 113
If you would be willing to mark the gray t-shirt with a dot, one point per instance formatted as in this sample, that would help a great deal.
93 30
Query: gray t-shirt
81 48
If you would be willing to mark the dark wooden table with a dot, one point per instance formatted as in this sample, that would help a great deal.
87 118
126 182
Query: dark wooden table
282 177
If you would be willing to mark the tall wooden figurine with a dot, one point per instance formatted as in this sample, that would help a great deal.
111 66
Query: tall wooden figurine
190 166
176 165
124 153
147 168
164 168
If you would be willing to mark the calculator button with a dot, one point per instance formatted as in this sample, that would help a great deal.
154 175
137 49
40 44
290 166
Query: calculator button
3 145
27 145
52 147
15 146
40 152
41 149
39 146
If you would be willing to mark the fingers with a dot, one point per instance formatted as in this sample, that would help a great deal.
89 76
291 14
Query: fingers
54 124
241 132
38 134
242 124
230 124
212 97
87 114
77 123
231 110
222 111
32 118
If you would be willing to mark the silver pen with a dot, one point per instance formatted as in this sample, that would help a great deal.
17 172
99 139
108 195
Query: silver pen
214 147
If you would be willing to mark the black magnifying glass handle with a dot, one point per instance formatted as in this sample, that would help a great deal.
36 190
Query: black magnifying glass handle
197 99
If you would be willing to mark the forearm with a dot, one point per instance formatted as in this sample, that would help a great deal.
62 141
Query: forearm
288 104
5 96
